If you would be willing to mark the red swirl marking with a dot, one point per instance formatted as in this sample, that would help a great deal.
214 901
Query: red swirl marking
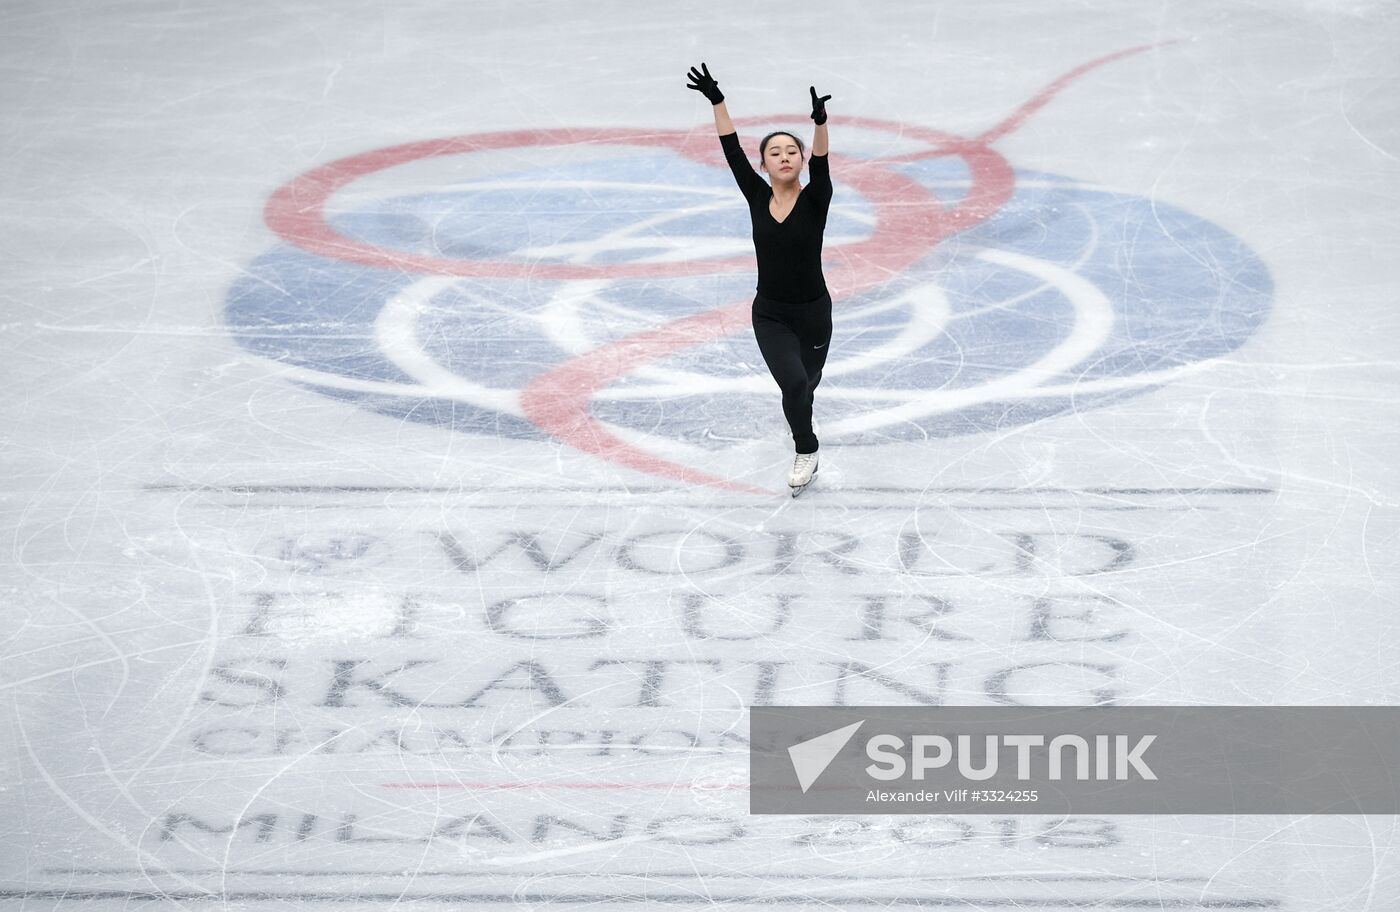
558 401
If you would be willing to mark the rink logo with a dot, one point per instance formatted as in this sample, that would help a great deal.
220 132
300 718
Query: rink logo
604 297
1074 759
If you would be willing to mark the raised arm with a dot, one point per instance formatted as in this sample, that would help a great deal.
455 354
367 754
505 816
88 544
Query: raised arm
723 125
752 186
819 142
818 169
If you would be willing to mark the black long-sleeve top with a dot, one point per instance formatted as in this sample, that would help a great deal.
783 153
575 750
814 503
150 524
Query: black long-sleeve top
789 252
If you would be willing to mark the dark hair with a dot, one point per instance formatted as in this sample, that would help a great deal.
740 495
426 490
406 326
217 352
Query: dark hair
763 146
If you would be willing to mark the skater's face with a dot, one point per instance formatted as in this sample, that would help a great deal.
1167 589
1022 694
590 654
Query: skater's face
782 158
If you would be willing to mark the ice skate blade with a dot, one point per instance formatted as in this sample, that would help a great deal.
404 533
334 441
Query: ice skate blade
798 489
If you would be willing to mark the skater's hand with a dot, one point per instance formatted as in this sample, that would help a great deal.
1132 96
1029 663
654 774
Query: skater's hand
705 84
818 106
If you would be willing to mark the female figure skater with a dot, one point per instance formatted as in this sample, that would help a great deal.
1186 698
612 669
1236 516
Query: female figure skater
792 310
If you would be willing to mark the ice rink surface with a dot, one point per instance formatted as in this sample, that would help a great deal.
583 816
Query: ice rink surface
396 509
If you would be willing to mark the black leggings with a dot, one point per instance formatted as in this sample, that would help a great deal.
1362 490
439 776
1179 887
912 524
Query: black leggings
794 339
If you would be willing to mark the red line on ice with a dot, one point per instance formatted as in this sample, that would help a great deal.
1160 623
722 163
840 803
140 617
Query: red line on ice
1042 98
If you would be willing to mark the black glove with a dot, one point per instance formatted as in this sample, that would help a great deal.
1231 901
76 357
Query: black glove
705 84
818 106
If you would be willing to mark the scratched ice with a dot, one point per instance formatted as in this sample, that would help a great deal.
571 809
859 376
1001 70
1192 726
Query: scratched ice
397 509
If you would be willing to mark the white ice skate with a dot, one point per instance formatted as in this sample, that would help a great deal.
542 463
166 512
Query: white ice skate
804 468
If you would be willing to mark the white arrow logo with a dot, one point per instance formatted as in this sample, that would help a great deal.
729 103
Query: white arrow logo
811 758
